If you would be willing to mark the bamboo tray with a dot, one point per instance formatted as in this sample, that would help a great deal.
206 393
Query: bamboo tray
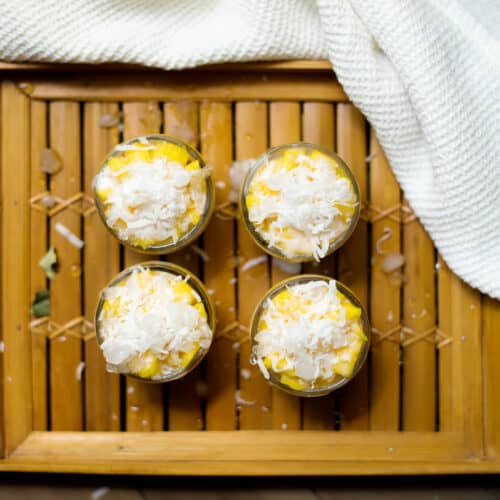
427 400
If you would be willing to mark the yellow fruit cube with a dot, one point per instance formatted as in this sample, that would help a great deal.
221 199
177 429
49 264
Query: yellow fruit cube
282 298
194 215
171 152
263 325
194 165
104 193
252 201
117 163
201 309
111 307
352 312
187 357
268 362
358 331
293 382
183 292
138 155
289 159
345 368
143 243
147 366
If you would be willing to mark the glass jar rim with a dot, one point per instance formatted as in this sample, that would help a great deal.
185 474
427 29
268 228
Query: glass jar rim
186 238
176 270
351 296
256 236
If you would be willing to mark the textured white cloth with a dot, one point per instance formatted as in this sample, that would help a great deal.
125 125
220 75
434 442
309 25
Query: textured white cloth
425 73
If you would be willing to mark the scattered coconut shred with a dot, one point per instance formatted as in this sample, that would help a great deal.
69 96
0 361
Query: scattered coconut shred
149 314
154 201
309 342
300 207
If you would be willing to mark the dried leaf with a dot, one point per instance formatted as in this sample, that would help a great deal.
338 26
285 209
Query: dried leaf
41 305
109 120
50 162
391 262
49 263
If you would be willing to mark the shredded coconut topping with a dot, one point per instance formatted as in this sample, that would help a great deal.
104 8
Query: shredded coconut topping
153 193
153 324
301 203
309 335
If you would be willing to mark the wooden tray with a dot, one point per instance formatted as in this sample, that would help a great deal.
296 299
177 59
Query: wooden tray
427 400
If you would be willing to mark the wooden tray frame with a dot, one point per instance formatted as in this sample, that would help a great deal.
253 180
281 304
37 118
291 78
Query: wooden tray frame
469 444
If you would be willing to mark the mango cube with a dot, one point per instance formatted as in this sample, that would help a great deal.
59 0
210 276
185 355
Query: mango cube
201 309
183 292
147 366
294 383
171 152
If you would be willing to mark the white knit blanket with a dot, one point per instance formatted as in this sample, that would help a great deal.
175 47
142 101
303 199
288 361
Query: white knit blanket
426 74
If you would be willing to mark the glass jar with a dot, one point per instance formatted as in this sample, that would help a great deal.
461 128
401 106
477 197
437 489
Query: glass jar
140 315
302 342
155 194
299 202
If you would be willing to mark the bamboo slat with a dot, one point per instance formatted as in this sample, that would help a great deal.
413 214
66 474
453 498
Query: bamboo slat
444 353
65 291
102 262
180 120
353 257
466 365
385 297
251 142
419 299
318 127
16 387
256 453
491 352
216 147
295 65
144 400
38 280
192 85
285 125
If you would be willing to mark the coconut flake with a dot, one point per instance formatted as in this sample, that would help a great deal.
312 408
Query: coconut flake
133 147
99 492
200 252
392 262
287 267
256 261
79 370
245 373
48 201
243 402
263 369
237 172
71 237
50 162
386 234
2 346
